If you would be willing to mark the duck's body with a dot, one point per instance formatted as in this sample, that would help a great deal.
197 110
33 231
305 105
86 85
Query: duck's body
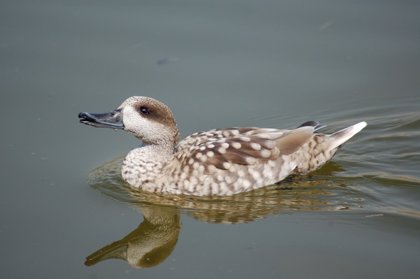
217 162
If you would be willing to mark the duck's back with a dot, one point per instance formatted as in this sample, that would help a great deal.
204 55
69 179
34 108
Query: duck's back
230 161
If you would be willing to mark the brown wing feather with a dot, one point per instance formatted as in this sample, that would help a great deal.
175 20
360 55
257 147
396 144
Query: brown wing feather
294 140
243 146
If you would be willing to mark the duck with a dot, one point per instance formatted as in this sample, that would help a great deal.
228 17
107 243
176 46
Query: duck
218 162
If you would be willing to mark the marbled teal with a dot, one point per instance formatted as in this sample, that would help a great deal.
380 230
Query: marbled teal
218 162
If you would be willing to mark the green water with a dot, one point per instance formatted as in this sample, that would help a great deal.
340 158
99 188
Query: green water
66 213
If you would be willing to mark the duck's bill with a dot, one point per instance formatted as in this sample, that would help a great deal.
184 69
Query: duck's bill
111 120
115 250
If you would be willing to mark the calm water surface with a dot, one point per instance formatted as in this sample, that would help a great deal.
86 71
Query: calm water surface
66 213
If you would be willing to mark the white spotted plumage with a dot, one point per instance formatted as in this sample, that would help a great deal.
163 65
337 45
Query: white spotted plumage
220 161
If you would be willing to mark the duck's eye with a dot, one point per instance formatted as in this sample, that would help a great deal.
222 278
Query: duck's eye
145 110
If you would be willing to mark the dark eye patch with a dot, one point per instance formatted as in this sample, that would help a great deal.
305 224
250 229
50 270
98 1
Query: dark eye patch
145 110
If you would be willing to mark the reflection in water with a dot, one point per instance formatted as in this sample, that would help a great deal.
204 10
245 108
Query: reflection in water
149 244
316 192
155 238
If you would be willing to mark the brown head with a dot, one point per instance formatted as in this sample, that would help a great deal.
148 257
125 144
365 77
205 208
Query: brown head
146 118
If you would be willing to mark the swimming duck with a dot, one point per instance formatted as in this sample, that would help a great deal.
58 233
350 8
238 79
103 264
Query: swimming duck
216 162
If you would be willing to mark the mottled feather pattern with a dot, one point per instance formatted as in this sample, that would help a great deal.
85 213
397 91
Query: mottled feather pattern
242 146
313 154
228 161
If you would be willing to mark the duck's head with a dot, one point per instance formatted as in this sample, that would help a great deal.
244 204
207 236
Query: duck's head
148 119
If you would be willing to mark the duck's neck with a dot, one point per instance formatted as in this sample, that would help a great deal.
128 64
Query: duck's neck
158 152
142 165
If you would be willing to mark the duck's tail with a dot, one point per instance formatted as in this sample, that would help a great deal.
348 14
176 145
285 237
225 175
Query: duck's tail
338 138
321 148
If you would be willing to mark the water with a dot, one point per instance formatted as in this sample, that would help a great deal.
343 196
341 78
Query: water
217 64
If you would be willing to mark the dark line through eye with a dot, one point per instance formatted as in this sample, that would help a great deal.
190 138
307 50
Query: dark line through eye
145 110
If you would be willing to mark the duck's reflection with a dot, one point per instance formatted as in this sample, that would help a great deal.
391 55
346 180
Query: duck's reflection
149 244
155 238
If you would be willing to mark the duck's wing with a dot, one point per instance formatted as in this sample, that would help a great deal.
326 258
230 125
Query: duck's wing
239 146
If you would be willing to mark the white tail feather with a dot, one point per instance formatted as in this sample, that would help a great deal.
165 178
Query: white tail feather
340 137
